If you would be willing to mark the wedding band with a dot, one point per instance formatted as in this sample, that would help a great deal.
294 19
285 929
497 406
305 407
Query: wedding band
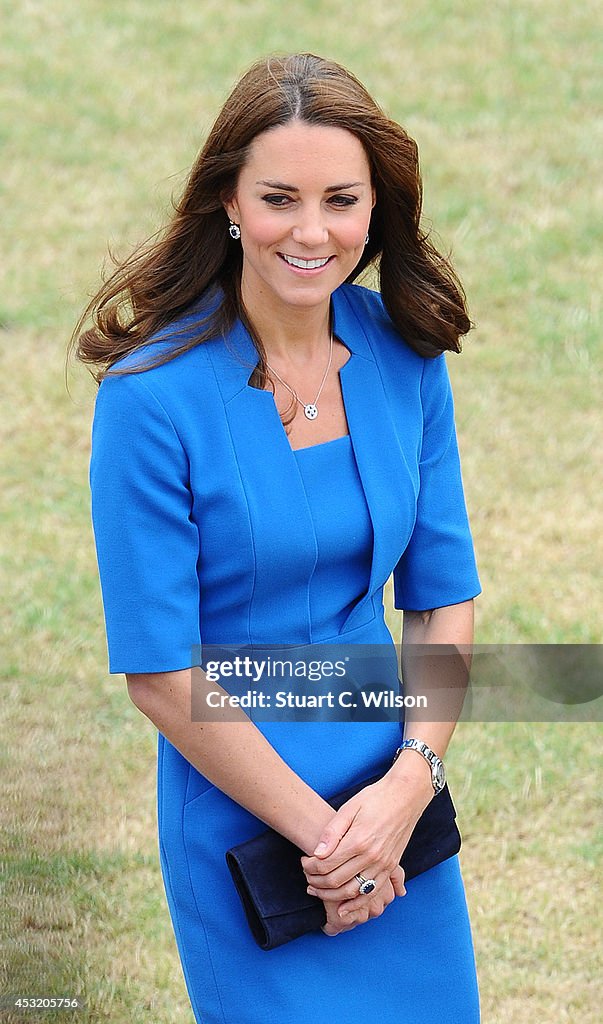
365 885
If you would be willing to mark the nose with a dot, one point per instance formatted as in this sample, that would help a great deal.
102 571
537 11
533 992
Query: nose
310 229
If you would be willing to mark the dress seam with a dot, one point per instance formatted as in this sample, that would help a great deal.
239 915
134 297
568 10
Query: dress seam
167 874
182 945
247 511
202 922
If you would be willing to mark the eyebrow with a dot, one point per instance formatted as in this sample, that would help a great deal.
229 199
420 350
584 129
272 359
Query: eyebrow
282 187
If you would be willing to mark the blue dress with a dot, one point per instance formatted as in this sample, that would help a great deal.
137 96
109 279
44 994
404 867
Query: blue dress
211 530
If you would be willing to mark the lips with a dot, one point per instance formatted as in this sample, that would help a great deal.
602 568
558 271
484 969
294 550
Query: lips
301 264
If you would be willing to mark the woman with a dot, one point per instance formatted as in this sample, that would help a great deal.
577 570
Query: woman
270 443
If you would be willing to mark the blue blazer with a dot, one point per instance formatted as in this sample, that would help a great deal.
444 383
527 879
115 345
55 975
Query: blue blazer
196 495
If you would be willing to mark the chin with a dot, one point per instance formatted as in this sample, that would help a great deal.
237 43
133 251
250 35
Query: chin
309 299
309 294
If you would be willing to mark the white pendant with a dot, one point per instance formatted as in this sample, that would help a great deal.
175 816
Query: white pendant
310 411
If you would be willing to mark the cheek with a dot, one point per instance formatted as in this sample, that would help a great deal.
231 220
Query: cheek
352 232
353 235
260 230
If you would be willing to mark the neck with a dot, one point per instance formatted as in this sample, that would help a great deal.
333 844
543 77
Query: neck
289 334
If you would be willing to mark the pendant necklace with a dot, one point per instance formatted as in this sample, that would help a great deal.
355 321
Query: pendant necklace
310 408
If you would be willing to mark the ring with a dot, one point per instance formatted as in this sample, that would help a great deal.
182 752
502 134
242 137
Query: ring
365 885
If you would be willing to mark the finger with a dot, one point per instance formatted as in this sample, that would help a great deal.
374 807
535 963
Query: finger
329 929
339 929
373 908
356 849
397 880
358 901
330 874
330 895
345 855
376 909
335 881
334 832
334 925
352 918
347 891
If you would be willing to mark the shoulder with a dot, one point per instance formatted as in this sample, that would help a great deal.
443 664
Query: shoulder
157 373
166 341
405 373
366 306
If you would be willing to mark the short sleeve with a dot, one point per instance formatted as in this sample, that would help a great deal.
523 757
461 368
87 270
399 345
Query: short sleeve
147 543
438 566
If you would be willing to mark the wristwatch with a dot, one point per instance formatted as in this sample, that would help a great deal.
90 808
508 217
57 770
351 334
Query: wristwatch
438 772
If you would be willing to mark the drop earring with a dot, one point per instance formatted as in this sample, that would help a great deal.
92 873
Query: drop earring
234 231
366 239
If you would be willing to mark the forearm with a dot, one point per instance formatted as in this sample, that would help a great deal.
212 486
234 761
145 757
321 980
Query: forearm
372 829
436 658
234 755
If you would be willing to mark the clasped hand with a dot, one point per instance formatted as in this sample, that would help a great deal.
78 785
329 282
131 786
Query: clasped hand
366 836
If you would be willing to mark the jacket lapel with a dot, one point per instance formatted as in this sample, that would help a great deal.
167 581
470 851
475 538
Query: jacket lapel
388 484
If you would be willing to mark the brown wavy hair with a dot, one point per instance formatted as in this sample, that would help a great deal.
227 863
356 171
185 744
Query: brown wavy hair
195 256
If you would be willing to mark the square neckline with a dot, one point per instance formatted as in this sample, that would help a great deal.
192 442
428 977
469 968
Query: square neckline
321 444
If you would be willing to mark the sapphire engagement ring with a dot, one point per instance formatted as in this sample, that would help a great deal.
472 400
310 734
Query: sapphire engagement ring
365 885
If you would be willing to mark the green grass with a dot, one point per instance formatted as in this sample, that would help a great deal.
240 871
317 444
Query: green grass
105 106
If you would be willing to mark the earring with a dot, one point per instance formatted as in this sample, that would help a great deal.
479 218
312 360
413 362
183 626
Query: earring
234 230
366 239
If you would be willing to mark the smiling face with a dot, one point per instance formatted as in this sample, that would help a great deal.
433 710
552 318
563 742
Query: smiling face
303 202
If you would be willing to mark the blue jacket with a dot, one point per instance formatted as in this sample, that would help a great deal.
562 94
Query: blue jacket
201 527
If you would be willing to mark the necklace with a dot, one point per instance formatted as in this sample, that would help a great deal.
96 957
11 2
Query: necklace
310 408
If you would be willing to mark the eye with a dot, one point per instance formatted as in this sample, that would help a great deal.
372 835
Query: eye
341 200
277 199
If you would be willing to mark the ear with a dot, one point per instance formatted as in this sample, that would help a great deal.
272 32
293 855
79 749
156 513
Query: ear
374 197
232 208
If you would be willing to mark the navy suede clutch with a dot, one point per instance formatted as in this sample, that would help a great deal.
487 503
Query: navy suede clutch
271 882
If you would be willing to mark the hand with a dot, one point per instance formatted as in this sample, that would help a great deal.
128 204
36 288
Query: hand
367 836
347 914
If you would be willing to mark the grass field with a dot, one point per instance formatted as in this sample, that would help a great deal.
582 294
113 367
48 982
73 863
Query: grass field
105 106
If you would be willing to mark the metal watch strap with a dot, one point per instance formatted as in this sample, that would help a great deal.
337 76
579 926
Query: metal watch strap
438 774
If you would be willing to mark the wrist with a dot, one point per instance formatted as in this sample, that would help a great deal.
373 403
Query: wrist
411 774
429 756
311 823
408 792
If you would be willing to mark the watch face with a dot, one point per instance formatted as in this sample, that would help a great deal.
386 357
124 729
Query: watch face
440 776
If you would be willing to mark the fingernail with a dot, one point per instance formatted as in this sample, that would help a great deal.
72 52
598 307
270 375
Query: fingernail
320 849
311 891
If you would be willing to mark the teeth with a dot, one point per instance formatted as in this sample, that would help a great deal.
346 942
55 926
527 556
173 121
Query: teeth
305 264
